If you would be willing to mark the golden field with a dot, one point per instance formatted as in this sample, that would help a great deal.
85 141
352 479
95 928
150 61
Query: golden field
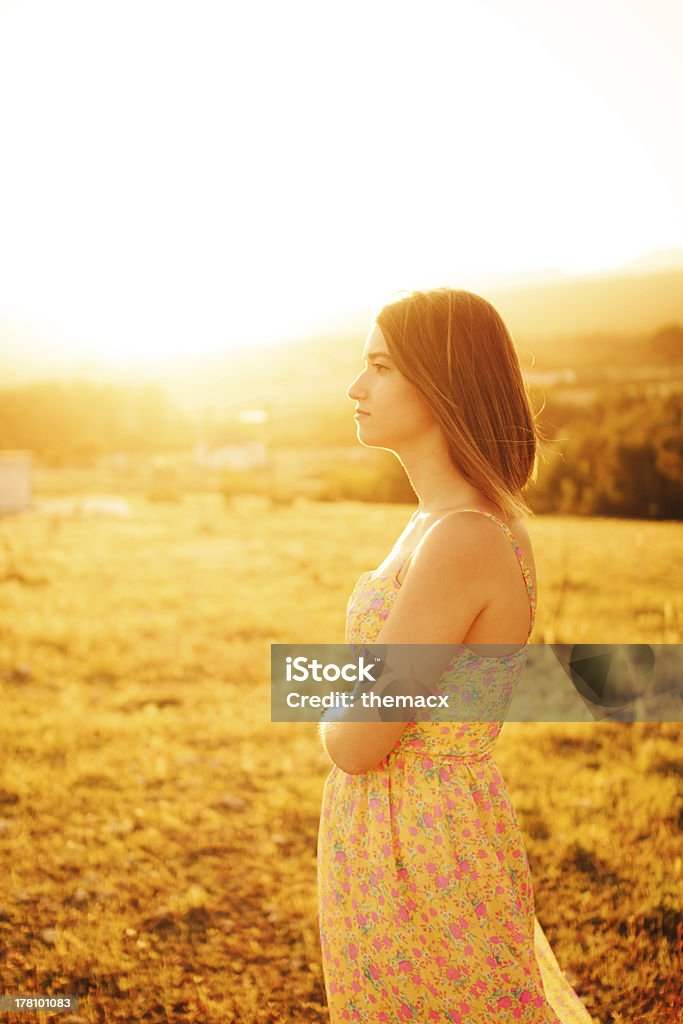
159 831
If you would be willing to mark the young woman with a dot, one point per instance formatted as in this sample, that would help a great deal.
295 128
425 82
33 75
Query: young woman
426 905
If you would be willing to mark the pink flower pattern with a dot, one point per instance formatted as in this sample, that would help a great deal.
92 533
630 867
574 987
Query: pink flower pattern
425 898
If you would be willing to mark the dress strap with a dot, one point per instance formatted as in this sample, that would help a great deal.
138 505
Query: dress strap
520 558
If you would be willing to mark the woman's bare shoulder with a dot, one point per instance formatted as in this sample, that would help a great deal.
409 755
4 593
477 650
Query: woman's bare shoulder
445 587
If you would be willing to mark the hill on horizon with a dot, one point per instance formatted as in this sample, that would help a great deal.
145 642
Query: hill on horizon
550 322
553 325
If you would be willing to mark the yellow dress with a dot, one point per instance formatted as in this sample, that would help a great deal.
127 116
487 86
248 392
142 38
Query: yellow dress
425 899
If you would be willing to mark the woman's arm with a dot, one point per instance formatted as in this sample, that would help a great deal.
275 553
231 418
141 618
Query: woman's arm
446 587
356 747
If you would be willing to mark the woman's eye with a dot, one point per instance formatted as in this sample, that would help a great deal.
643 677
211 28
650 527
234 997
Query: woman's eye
380 368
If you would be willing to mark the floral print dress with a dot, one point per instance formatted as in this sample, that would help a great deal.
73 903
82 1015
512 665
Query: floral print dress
426 903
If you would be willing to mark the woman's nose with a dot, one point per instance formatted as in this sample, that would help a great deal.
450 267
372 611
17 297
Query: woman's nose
356 390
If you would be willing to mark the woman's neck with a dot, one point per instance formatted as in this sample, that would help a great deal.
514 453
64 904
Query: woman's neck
437 483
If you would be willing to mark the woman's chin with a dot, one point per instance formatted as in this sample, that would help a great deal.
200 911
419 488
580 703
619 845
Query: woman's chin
363 433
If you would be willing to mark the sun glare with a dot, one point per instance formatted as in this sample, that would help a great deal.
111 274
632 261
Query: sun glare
241 184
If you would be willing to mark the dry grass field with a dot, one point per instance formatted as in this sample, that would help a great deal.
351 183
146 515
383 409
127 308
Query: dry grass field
158 832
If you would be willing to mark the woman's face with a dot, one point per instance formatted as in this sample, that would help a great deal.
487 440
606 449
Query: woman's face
390 411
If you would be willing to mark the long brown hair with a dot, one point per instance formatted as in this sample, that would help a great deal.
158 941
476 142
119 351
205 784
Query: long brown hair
456 350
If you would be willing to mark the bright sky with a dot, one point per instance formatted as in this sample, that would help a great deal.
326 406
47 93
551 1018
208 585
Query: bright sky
178 177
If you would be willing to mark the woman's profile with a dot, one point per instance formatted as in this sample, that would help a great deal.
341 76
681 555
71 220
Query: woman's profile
426 905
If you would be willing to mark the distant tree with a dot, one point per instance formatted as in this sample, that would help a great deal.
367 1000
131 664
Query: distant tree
72 424
667 343
628 461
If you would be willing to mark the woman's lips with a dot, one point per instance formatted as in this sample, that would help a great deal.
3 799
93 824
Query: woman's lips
358 415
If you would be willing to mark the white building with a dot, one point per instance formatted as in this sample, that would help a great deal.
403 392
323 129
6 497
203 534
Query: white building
15 481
